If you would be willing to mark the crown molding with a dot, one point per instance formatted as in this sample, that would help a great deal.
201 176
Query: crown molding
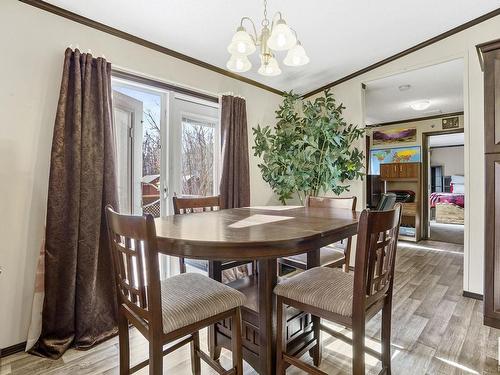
143 42
417 47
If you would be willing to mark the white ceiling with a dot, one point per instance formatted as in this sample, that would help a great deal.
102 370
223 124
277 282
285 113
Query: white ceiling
441 84
456 139
340 36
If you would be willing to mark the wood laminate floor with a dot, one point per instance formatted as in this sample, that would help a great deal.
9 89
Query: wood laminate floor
435 330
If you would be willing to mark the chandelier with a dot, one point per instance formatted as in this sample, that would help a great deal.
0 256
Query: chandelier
275 36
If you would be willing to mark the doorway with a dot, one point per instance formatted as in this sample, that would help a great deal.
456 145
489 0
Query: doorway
444 186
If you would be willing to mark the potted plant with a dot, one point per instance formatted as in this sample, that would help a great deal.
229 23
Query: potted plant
311 149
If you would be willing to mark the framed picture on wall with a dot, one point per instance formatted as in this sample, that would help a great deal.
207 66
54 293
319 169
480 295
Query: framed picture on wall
393 155
399 135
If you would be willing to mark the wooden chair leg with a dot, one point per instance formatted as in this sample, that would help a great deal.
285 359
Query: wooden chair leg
317 351
386 337
123 338
155 357
213 349
182 265
280 336
195 358
236 342
358 348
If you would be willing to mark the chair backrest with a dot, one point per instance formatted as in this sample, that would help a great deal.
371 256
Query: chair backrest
348 203
375 255
387 202
185 205
135 260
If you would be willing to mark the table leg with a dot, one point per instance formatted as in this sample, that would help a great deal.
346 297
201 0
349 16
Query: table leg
267 277
313 260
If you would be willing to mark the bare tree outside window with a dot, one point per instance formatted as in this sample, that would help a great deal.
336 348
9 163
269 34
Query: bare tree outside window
197 157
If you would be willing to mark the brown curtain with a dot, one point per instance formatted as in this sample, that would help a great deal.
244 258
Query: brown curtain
235 179
79 309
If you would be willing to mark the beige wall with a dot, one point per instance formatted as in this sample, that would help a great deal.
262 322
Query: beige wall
451 158
460 45
33 44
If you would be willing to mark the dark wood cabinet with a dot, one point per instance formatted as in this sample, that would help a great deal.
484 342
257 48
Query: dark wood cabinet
400 171
405 176
490 53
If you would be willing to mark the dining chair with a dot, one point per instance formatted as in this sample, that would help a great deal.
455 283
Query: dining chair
346 298
335 255
166 312
387 202
188 205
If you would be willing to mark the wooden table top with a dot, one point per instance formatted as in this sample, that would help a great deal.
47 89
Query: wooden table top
253 232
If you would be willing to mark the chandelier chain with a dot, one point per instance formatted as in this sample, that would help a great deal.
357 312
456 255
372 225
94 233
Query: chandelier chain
265 21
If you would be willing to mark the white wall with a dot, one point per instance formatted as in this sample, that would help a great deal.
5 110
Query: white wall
33 44
460 45
451 158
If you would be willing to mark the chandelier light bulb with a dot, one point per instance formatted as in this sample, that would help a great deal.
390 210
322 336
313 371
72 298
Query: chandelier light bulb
239 64
241 43
296 56
270 69
282 37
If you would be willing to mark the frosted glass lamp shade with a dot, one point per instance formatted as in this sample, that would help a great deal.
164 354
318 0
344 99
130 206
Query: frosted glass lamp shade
282 37
296 56
270 69
241 44
239 64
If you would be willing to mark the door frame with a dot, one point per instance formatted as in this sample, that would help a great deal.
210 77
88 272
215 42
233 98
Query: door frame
425 176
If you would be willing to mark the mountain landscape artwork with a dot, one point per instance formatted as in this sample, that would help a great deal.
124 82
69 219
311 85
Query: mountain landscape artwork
399 135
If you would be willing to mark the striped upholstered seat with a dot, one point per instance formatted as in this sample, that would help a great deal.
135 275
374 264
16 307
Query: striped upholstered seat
190 297
329 289
328 255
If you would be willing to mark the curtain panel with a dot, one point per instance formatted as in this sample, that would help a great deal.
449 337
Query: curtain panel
79 308
235 176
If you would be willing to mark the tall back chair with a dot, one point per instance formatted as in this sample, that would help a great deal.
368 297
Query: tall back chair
164 311
347 299
387 202
186 205
335 255
189 205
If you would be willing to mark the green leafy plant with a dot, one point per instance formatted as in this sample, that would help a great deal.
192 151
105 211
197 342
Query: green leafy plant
310 150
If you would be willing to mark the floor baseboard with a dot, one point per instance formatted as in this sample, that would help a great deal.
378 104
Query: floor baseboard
13 349
473 295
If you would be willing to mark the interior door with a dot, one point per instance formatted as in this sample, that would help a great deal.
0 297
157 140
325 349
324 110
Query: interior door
127 112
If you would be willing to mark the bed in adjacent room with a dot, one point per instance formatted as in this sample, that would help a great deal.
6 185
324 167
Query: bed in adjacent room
449 207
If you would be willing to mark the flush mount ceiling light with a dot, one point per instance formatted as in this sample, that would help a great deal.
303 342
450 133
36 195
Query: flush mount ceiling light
421 105
275 36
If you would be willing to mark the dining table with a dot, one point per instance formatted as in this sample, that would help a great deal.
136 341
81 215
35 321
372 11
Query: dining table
262 234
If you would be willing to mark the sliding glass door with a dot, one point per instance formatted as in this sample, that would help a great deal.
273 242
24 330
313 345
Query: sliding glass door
167 144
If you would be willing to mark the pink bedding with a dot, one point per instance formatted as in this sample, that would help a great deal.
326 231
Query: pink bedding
454 198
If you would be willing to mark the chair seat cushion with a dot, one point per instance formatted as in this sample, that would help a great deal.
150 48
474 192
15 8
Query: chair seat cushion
329 289
190 297
328 255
